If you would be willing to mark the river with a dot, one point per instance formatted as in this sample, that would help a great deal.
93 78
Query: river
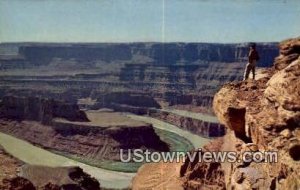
196 140
109 179
37 156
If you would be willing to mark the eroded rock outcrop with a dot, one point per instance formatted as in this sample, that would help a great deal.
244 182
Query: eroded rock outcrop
200 175
64 128
38 109
194 125
127 98
260 116
158 176
264 115
93 142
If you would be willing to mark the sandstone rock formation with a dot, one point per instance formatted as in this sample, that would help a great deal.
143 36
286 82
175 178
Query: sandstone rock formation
264 115
260 116
54 125
38 109
288 53
196 126
158 176
125 101
190 174
200 175
127 98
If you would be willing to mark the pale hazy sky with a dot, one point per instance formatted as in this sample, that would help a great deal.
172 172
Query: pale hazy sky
149 20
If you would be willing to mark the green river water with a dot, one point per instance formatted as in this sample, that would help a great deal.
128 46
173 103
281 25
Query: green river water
108 179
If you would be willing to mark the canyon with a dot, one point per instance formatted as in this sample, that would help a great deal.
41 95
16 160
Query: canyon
260 116
82 103
64 128
172 73
128 77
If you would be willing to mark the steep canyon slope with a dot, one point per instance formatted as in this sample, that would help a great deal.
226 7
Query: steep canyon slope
62 127
260 116
264 115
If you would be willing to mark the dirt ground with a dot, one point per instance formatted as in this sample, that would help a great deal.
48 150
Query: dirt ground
9 165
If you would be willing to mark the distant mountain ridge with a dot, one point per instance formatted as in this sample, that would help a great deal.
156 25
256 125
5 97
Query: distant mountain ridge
174 73
148 52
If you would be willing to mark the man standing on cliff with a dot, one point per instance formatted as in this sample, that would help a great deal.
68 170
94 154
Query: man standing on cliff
253 57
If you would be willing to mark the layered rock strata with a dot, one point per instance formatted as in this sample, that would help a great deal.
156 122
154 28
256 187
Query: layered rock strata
61 132
38 109
197 126
261 117
175 73
264 115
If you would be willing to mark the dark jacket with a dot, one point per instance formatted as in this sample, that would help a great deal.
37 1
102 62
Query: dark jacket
253 55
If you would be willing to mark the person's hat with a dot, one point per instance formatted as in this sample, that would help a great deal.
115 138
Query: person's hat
253 45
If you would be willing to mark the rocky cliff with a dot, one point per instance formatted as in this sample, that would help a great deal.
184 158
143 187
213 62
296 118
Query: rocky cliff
197 126
109 99
38 109
63 127
261 116
264 115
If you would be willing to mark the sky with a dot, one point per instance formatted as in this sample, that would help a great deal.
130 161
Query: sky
222 21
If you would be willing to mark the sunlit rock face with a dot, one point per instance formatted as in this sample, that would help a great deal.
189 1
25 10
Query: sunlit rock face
266 118
259 116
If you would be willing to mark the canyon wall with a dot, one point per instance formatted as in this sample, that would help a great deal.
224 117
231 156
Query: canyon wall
38 109
63 127
196 126
175 73
260 116
129 77
129 98
155 53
